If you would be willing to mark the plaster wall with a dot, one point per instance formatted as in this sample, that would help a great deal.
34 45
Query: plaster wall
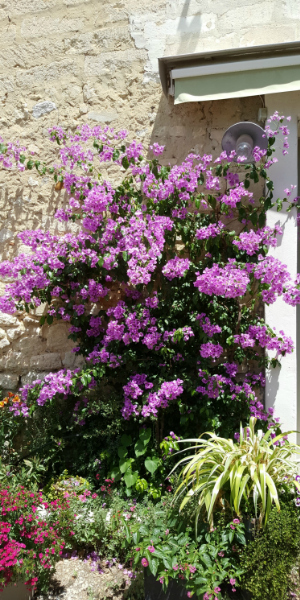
74 61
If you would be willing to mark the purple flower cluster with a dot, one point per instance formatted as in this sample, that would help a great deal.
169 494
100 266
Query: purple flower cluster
228 281
266 338
211 350
169 390
176 267
207 326
252 241
210 231
214 385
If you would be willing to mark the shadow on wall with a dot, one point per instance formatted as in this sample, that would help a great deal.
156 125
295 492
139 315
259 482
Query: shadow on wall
187 30
198 126
191 30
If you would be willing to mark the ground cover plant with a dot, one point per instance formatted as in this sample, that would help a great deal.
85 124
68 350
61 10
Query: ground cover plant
162 282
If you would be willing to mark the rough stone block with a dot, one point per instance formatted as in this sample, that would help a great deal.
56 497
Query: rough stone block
31 376
50 361
31 344
19 7
110 61
45 26
14 334
8 381
40 310
103 117
57 338
71 361
2 333
14 361
43 108
7 320
5 234
30 320
4 343
52 72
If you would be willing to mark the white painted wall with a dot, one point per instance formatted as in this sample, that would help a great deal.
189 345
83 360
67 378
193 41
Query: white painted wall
282 383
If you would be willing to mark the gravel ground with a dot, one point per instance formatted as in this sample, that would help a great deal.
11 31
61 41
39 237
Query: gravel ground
74 580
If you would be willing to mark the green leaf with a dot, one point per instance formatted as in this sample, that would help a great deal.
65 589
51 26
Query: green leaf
125 162
145 436
122 451
167 563
130 478
126 440
124 464
240 538
139 448
151 464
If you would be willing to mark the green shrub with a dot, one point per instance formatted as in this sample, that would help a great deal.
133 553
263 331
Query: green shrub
64 486
234 472
268 560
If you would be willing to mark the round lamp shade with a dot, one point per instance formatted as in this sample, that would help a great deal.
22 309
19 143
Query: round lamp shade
242 138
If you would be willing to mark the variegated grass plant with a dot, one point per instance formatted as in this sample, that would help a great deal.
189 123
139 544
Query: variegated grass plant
224 472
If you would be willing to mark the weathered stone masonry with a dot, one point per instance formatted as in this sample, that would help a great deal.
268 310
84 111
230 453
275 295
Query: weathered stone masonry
74 61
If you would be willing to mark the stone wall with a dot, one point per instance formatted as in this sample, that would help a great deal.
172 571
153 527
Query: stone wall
74 61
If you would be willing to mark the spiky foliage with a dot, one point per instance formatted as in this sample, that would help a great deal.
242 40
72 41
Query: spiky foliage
224 471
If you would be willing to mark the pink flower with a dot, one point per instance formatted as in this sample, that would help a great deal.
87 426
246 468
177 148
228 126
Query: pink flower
220 553
232 581
151 549
144 562
189 594
94 496
217 590
236 521
232 526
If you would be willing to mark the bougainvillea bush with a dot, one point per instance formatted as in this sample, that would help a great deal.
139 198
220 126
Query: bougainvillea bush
160 281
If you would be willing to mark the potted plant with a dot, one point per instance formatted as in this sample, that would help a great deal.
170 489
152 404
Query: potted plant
224 472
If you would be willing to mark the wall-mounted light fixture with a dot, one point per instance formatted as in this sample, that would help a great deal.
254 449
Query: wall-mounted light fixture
242 138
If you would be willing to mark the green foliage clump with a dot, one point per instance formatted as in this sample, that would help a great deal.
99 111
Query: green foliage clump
267 561
231 472
57 488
